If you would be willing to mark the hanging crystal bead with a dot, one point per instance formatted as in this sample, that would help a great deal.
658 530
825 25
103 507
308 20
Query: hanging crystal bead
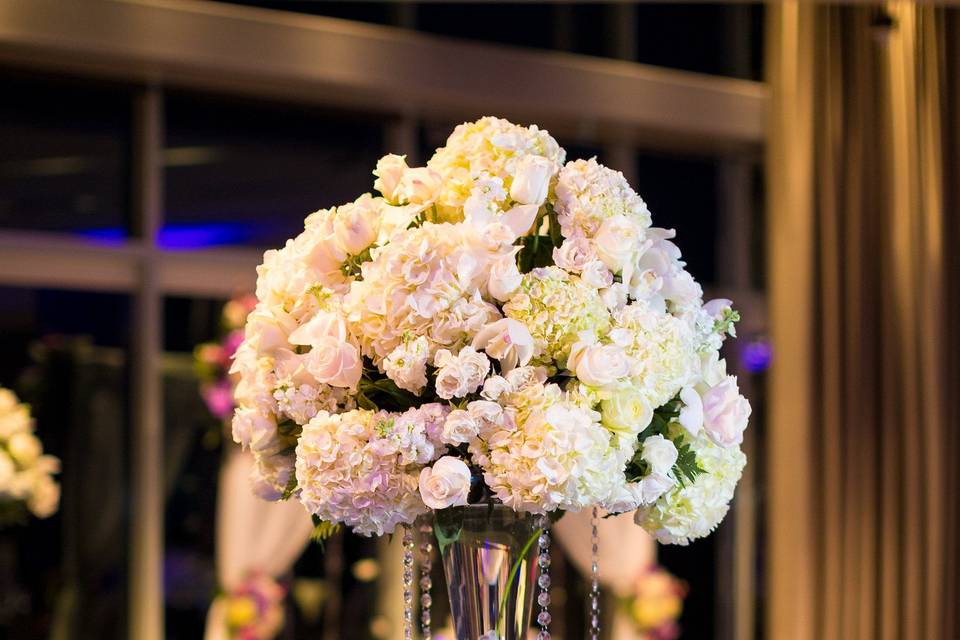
543 561
426 582
594 575
408 562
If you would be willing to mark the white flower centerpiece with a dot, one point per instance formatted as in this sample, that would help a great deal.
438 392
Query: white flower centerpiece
499 328
26 474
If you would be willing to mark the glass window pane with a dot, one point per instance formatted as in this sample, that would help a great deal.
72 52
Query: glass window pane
63 156
69 572
248 173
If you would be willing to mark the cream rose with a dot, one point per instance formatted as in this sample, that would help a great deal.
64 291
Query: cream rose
626 411
460 375
597 275
659 453
335 362
494 387
420 185
617 242
446 484
460 427
595 364
532 180
655 485
508 341
725 413
574 254
505 278
390 169
356 225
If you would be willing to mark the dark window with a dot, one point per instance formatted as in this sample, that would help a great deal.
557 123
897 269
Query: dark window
64 150
248 173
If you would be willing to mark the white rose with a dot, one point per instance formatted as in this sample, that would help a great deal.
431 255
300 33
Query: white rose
24 448
254 430
617 242
659 453
522 377
532 180
460 427
505 278
626 411
44 498
681 288
420 185
574 254
508 341
520 218
597 275
446 484
597 365
713 370
655 485
691 415
460 375
356 225
335 362
725 413
645 284
494 387
390 169
323 325
269 329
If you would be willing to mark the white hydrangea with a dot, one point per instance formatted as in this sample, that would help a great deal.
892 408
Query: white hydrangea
662 351
588 193
350 469
694 509
557 457
493 148
555 307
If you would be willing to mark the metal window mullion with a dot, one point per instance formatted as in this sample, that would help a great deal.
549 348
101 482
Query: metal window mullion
145 608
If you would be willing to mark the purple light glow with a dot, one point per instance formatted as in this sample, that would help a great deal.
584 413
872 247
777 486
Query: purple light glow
757 355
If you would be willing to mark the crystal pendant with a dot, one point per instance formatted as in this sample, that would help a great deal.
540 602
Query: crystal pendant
490 559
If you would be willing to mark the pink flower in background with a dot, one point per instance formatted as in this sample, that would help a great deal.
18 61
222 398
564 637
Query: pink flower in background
255 608
212 360
219 398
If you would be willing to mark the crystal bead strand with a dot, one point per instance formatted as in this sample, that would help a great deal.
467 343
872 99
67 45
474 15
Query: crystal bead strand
543 598
408 561
426 582
594 576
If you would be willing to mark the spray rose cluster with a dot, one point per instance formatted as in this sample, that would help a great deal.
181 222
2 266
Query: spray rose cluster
499 325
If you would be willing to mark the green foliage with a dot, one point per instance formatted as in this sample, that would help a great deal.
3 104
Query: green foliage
323 531
352 266
726 324
664 423
384 393
291 487
447 527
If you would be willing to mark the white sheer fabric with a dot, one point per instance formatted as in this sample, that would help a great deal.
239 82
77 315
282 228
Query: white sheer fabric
625 551
252 535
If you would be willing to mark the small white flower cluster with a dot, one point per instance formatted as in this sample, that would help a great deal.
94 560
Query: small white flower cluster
495 325
26 474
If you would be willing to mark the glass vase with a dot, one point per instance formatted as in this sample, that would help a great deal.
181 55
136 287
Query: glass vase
489 557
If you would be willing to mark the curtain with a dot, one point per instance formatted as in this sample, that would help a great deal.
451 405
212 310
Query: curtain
862 445
252 534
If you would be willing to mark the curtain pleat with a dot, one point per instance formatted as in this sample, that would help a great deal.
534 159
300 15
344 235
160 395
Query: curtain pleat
870 132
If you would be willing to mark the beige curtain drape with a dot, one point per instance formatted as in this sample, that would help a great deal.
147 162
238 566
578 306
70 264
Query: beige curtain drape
862 452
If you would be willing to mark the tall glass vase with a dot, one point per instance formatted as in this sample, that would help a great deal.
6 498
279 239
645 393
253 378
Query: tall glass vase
489 560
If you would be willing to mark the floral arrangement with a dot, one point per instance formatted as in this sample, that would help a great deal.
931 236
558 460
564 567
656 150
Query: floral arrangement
655 604
498 326
26 474
254 610
212 360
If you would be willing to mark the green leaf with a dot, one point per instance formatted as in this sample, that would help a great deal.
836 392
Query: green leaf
447 527
686 467
291 487
323 531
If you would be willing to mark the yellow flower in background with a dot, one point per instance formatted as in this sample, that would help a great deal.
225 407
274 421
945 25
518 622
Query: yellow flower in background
241 612
656 603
